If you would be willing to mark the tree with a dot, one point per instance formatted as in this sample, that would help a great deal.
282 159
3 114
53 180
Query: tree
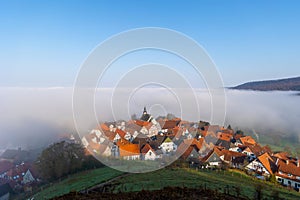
60 159
258 192
134 117
170 116
288 149
273 178
240 132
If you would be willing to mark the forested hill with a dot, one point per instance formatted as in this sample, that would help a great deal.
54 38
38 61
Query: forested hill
289 84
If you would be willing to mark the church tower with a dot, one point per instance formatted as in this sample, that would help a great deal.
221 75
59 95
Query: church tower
146 117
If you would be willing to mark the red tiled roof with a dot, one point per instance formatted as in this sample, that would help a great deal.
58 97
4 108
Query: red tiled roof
5 166
224 136
230 155
104 127
195 142
267 162
256 149
282 155
121 133
129 150
288 177
216 150
141 123
169 124
247 139
288 167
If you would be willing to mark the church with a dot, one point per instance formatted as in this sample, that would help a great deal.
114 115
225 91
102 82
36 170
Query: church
146 117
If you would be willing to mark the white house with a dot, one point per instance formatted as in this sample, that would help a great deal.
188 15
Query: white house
168 146
148 153
28 177
263 165
288 173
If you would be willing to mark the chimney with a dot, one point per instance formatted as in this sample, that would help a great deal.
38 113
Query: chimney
298 163
287 161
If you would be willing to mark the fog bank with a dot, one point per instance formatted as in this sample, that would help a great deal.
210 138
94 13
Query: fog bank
31 117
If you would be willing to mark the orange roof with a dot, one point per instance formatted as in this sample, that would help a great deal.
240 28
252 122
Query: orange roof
267 162
104 127
121 133
129 150
224 136
111 135
149 125
216 150
142 123
247 139
256 149
203 133
288 167
169 124
122 142
282 155
229 155
194 142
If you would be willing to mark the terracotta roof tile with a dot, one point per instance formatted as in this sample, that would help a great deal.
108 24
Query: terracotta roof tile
267 161
129 150
288 167
247 139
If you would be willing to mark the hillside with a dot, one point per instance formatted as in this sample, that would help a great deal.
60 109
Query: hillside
289 84
238 184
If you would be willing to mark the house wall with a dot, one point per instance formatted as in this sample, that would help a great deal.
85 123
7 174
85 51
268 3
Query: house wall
288 182
257 166
107 152
153 130
84 142
168 147
144 130
214 160
27 178
150 155
132 157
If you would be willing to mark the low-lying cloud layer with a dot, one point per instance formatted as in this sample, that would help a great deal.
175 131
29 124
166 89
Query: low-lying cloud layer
33 117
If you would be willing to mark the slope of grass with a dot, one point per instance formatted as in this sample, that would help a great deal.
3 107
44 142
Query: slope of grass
216 180
78 182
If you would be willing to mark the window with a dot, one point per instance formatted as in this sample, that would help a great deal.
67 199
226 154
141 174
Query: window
289 182
150 153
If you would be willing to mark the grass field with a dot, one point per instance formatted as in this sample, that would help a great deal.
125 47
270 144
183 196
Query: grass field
78 182
179 177
217 180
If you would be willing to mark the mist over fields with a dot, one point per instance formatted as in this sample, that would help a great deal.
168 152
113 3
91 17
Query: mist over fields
32 117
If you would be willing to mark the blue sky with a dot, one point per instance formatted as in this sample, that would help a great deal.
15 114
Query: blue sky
43 43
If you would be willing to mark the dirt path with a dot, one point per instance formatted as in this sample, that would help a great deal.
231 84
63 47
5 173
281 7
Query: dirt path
102 185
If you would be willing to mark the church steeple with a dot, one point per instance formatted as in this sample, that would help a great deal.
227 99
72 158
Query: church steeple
145 116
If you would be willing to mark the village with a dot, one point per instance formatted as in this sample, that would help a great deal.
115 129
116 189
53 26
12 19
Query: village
200 144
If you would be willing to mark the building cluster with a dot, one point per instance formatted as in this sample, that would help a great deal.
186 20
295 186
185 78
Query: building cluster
201 144
17 172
